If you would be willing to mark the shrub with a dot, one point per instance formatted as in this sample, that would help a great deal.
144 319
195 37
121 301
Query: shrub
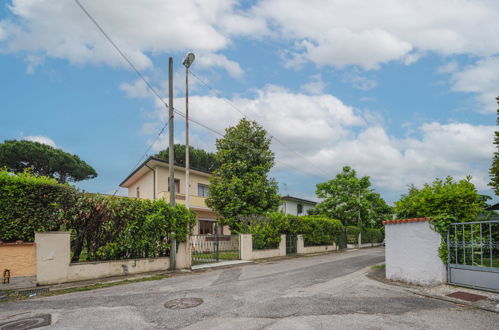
372 235
353 234
109 227
265 229
316 229
30 203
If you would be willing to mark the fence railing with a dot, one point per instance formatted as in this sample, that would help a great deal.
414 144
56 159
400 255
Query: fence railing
474 244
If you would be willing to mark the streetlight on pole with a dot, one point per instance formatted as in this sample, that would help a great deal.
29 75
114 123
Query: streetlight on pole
189 58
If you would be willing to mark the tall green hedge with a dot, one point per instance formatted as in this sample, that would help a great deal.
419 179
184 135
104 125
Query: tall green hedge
108 227
372 235
265 230
353 234
316 229
103 227
368 235
29 203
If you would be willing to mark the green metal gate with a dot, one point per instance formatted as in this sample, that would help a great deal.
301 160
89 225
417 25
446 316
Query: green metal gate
214 248
290 244
473 254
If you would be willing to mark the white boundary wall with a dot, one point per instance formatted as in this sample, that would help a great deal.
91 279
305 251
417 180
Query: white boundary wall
247 252
53 262
302 249
411 252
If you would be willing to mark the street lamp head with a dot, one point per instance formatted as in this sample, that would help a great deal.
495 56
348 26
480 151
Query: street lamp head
189 58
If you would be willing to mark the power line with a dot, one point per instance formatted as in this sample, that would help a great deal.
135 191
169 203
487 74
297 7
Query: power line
232 105
121 53
153 90
221 134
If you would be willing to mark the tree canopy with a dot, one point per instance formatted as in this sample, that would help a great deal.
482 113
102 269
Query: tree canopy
455 201
198 158
351 200
44 160
494 168
240 185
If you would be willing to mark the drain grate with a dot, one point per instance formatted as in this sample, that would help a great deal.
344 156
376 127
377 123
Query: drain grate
466 296
183 303
32 291
33 322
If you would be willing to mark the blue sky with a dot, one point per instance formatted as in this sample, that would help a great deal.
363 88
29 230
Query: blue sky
402 91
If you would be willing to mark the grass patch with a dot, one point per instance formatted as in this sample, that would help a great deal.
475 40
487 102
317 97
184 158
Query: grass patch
14 295
382 266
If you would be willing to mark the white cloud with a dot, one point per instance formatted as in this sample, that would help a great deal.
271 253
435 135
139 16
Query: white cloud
41 139
216 60
482 79
358 81
315 86
33 62
330 134
59 29
136 89
369 33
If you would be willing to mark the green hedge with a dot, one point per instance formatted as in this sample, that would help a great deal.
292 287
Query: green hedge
108 227
28 204
103 227
372 235
353 234
265 229
316 229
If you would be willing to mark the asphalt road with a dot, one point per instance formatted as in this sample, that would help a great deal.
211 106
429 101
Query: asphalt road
322 292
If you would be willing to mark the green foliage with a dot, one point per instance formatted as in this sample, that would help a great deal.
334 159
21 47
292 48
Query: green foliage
30 203
351 200
109 227
372 235
444 202
198 158
240 185
266 230
44 160
353 234
316 229
103 227
494 168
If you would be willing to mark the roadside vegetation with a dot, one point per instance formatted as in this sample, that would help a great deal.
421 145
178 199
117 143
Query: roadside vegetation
103 227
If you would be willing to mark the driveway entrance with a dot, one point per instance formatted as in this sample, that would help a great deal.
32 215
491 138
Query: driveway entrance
214 248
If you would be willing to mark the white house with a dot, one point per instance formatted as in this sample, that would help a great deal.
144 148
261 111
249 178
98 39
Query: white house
295 206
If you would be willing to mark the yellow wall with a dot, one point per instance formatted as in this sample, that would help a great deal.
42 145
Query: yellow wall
20 259
146 185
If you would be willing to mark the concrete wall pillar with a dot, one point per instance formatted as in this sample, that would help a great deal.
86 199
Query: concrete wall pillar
282 246
52 256
184 258
411 252
246 246
300 244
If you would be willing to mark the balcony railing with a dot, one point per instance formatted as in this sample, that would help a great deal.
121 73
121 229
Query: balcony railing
194 201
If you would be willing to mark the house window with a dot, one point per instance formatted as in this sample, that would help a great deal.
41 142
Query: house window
177 185
299 208
138 192
206 227
203 190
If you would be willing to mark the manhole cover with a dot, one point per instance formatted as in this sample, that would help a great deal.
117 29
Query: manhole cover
466 296
183 303
36 321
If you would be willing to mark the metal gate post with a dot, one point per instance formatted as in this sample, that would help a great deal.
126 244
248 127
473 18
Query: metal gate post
216 246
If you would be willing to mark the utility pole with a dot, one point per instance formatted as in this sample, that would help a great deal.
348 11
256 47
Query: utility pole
171 160
189 58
